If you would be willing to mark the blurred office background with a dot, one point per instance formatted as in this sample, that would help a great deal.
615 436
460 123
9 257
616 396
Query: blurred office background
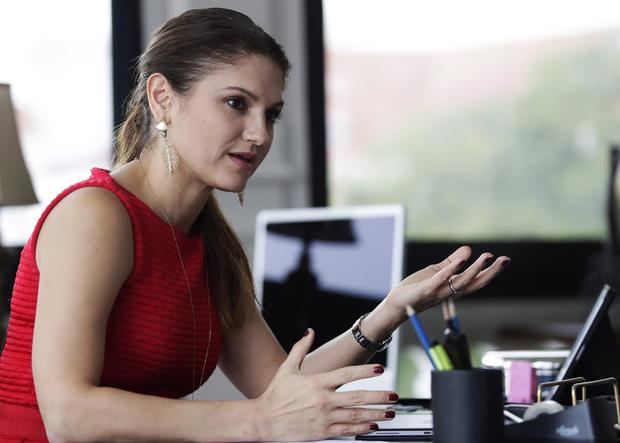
491 122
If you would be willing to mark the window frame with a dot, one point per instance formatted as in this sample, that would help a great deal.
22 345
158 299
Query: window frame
126 48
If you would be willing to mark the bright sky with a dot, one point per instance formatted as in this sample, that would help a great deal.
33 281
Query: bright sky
425 26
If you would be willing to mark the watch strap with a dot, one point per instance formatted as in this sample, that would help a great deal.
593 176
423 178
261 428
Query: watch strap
365 342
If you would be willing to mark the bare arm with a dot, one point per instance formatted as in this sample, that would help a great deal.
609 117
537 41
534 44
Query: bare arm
252 367
251 355
84 254
421 290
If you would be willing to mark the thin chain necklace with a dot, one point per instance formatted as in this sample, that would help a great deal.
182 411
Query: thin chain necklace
189 289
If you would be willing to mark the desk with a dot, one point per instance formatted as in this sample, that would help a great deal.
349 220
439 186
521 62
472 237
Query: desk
352 439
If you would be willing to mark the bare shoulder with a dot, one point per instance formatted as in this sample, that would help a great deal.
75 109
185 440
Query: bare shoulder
89 228
84 255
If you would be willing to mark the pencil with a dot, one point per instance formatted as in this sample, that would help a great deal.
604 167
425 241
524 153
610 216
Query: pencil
417 326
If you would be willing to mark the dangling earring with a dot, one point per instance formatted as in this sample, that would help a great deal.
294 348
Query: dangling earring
241 196
171 160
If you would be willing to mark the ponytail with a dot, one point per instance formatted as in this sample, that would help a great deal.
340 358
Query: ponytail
133 134
227 266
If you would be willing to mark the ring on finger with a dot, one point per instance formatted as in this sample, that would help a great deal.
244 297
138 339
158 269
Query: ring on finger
451 285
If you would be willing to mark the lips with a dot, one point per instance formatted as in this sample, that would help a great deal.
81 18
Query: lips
245 159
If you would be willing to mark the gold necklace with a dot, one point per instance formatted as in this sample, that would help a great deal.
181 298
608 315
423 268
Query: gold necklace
189 289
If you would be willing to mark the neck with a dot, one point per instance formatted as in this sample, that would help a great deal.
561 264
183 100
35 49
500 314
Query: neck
177 198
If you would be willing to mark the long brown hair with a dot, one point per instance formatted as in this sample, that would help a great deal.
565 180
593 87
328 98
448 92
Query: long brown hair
185 49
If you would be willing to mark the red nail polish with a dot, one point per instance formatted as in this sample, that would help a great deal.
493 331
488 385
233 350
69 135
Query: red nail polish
393 397
505 262
390 414
378 370
307 332
373 427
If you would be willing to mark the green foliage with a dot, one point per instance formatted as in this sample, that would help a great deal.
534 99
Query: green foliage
531 167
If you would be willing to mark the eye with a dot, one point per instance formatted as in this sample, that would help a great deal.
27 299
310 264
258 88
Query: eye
237 103
273 115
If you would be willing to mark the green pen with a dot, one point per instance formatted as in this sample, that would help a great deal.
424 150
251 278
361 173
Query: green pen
442 355
436 358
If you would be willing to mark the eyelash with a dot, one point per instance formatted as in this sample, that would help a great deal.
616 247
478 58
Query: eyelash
273 116
239 104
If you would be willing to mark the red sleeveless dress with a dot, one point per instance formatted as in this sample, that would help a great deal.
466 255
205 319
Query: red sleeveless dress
149 340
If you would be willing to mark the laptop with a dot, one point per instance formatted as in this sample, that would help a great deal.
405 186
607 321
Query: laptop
406 426
325 267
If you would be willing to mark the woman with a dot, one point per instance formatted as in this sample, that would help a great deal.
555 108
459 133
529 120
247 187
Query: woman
133 286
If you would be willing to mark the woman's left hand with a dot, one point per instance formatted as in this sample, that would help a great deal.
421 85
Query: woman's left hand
439 281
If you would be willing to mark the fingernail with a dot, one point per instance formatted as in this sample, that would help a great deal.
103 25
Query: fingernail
373 427
393 397
505 262
307 332
390 414
378 370
489 259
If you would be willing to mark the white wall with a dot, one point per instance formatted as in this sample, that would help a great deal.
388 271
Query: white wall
283 179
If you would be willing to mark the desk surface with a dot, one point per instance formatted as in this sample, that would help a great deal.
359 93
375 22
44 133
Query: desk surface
352 439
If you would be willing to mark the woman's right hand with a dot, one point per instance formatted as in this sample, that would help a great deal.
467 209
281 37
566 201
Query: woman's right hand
298 407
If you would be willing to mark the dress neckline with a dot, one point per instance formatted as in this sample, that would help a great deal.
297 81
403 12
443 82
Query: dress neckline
178 231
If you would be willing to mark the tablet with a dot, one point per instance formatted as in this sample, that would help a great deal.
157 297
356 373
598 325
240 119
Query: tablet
594 354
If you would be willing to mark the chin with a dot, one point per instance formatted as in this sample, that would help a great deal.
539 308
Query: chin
231 182
232 187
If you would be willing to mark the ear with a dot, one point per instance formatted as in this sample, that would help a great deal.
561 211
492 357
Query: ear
159 94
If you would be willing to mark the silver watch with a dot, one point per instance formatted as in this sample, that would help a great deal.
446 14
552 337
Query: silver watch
365 342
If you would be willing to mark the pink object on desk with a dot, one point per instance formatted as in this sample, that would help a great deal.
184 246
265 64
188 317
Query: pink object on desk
522 382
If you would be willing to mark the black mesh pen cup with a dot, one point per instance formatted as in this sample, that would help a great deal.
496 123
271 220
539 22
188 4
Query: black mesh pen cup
467 406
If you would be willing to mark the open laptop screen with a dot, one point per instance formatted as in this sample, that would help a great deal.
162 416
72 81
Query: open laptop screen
594 354
325 267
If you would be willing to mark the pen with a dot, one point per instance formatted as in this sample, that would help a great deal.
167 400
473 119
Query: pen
457 348
455 342
456 322
446 314
446 363
417 326
438 363
449 315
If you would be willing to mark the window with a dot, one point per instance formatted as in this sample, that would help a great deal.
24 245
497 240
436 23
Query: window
490 121
57 58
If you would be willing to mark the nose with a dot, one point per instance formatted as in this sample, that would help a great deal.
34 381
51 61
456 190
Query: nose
256 132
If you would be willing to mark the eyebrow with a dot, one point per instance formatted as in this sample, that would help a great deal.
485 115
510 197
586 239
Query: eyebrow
252 95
